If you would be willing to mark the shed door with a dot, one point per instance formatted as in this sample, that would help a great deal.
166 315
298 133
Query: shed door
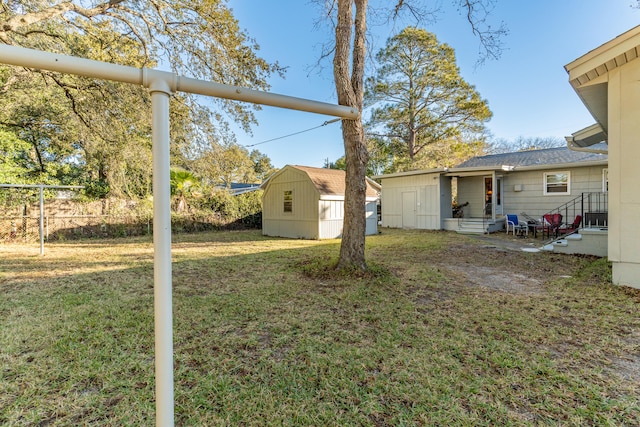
409 209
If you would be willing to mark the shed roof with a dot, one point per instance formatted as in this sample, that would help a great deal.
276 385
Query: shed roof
332 181
548 156
328 182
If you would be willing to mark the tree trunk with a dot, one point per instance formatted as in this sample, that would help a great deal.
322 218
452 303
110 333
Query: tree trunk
349 86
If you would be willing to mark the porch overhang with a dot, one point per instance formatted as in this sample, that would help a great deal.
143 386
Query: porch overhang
464 172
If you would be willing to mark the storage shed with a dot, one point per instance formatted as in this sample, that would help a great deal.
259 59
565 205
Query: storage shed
303 202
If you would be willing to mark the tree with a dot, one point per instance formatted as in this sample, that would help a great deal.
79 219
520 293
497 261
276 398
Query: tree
351 27
423 100
183 184
522 143
227 162
13 168
381 158
262 167
348 69
104 126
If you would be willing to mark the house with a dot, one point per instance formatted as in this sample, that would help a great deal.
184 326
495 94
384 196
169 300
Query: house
238 188
606 80
308 203
488 187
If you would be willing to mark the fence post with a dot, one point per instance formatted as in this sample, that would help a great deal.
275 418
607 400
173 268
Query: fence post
41 222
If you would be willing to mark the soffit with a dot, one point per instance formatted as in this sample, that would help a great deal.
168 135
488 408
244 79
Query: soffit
588 75
605 58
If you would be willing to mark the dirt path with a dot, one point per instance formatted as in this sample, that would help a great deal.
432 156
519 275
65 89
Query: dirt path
500 263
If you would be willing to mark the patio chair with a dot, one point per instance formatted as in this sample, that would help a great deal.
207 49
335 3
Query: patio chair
516 225
551 224
567 228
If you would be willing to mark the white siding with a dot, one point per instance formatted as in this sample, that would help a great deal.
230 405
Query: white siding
372 218
471 190
302 222
331 218
426 209
624 176
532 200
311 217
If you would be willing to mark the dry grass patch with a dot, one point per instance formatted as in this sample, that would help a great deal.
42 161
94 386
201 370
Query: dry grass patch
266 334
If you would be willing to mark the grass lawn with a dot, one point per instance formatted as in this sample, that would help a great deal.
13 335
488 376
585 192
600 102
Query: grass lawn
446 330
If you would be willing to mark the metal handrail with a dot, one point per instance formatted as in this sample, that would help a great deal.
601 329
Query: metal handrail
585 203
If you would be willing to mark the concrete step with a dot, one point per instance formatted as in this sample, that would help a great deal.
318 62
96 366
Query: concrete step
587 242
562 243
471 228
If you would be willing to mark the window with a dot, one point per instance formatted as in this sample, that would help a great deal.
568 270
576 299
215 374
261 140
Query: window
557 183
288 201
605 180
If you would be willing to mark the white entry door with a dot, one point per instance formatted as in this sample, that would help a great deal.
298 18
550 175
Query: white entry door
409 209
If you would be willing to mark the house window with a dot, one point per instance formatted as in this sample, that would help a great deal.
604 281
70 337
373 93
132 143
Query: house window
288 201
557 183
605 180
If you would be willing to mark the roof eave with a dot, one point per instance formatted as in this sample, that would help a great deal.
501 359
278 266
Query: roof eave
547 166
588 74
587 137
410 173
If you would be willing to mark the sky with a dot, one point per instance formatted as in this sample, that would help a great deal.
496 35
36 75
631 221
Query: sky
527 88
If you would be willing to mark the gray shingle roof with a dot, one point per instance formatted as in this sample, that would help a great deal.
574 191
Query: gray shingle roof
547 156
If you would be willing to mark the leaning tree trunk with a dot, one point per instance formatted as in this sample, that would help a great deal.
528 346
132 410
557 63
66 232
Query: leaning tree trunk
349 86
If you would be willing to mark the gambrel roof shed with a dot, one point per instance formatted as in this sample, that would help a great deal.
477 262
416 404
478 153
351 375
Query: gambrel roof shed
331 182
307 202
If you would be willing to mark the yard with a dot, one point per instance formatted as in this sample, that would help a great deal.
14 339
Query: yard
445 330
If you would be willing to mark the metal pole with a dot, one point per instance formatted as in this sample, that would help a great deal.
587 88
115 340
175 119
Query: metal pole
41 225
160 93
161 84
24 57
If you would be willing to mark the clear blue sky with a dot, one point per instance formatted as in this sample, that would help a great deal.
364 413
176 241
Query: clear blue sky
527 88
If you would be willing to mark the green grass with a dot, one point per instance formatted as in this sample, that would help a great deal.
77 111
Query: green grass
266 334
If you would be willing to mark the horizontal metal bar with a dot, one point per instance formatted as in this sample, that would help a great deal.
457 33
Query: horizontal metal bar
40 186
146 77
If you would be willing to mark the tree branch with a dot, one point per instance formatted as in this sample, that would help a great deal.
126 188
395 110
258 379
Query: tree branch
477 12
13 24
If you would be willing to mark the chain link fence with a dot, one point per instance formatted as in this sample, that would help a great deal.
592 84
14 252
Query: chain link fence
66 218
26 229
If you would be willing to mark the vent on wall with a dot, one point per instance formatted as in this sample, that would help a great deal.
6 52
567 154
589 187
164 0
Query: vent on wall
517 187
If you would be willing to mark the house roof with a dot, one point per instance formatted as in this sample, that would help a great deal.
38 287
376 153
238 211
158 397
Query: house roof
548 156
331 182
588 77
561 157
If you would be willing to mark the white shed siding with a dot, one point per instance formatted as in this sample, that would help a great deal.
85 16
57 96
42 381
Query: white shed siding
313 216
302 222
426 208
371 218
331 218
